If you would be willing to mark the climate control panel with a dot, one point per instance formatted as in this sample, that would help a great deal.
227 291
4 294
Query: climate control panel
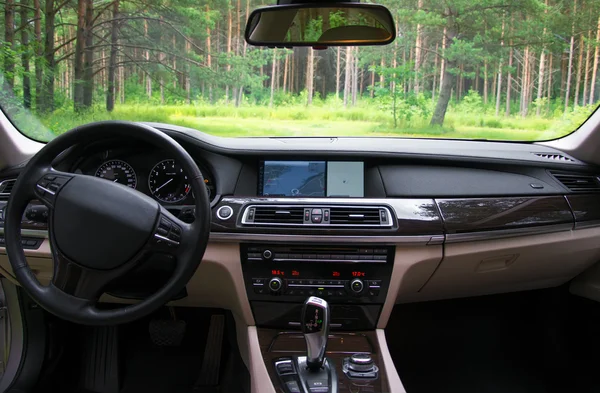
339 274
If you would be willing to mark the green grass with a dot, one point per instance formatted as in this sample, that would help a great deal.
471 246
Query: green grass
321 120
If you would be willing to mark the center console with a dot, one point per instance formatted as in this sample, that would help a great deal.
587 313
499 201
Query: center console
354 280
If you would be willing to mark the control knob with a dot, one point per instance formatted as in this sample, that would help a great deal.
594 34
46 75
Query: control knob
275 284
357 286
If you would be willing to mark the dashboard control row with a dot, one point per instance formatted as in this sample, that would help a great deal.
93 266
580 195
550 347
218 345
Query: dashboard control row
341 274
322 288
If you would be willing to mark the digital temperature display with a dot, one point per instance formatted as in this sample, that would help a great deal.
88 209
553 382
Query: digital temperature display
358 274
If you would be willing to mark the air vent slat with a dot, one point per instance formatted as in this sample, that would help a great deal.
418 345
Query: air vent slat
355 216
554 157
578 182
274 215
6 187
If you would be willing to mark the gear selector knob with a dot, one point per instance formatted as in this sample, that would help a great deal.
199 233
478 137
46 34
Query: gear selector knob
315 326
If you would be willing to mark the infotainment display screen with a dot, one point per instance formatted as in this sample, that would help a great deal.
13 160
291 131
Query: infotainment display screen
311 179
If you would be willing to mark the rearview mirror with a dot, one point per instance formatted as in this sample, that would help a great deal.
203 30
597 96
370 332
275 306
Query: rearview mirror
321 25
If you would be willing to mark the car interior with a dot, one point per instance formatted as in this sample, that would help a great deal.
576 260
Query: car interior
150 257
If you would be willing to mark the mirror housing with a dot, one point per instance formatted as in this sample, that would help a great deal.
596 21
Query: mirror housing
320 25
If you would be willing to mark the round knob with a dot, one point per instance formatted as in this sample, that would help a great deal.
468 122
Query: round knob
357 285
275 284
225 213
361 362
267 254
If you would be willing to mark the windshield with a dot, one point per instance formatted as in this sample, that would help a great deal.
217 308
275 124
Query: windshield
518 70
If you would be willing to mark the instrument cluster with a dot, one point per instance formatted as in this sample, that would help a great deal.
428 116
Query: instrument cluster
152 173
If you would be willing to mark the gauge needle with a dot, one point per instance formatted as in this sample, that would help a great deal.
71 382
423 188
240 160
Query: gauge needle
167 182
116 180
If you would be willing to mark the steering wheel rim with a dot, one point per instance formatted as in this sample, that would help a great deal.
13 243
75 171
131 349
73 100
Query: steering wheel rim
138 224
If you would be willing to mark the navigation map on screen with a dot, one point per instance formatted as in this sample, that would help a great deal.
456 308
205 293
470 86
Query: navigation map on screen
294 178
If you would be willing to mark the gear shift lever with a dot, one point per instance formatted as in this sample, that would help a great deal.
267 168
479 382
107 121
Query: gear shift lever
315 326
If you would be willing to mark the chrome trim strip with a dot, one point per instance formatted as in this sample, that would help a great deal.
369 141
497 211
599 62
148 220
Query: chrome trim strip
4 184
46 190
320 205
37 233
505 233
269 237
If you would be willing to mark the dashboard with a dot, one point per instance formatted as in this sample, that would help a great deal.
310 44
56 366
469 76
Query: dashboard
363 222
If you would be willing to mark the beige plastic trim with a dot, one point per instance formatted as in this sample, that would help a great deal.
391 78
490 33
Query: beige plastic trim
393 378
507 265
587 284
412 268
260 379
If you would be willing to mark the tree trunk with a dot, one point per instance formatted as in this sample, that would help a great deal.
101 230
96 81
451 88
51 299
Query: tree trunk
273 76
446 81
208 52
579 65
485 82
78 56
372 94
88 56
39 54
509 80
570 67
586 76
347 75
49 60
9 41
381 76
229 31
595 67
538 107
435 67
25 54
112 62
418 45
443 63
525 82
337 73
549 88
310 75
285 72
499 84
147 55
354 75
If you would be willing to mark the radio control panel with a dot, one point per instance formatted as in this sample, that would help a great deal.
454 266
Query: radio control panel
339 274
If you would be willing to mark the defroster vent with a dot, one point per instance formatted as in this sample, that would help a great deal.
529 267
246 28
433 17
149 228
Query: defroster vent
578 182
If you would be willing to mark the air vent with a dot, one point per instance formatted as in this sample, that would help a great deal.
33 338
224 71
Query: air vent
6 187
278 215
554 157
318 215
356 216
578 182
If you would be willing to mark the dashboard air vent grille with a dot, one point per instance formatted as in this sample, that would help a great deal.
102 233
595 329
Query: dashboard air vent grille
6 187
554 157
355 216
578 182
278 215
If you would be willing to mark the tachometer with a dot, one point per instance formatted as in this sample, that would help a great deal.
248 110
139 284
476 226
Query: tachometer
168 182
119 172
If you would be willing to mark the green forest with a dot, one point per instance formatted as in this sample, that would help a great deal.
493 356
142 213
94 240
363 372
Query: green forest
488 69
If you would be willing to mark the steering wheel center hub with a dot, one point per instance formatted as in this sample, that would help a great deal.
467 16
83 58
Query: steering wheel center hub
111 219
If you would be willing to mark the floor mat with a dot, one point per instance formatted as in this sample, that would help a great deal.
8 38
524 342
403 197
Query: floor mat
512 343
150 368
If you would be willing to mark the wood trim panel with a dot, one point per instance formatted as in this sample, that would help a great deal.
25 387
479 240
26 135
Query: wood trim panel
485 214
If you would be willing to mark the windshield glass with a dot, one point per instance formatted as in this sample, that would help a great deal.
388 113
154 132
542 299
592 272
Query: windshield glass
519 70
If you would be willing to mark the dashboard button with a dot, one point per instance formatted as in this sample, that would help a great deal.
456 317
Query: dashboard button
260 290
281 256
258 281
267 254
374 292
323 256
317 212
380 251
326 215
224 212
380 257
317 219
309 256
340 292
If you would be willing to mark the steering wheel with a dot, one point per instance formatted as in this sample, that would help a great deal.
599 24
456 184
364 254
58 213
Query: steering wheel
100 230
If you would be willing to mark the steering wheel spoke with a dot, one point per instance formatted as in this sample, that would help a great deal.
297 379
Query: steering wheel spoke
49 185
170 235
78 281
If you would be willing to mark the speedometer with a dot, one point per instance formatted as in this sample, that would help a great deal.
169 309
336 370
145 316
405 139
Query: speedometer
119 172
168 182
